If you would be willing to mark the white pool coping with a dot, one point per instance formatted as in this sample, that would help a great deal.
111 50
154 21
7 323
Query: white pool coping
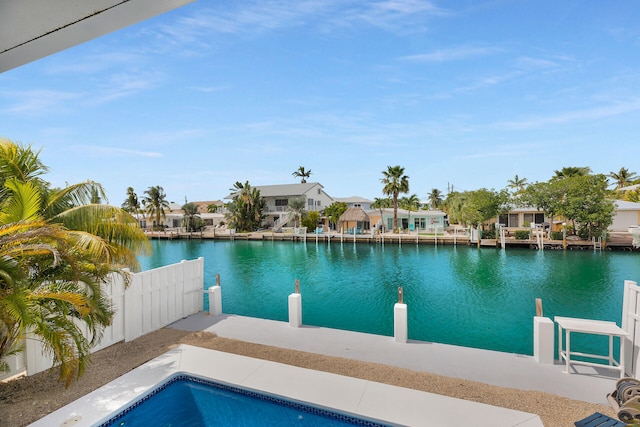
367 399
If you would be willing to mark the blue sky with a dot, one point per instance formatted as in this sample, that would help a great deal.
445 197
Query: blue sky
462 93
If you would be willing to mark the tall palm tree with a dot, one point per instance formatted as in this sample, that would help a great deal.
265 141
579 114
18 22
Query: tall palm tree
381 203
156 203
247 207
435 198
571 171
131 204
302 174
411 204
517 184
395 183
623 177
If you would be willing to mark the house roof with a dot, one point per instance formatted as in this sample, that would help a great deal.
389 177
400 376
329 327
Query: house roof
284 190
352 199
33 29
354 214
629 187
623 205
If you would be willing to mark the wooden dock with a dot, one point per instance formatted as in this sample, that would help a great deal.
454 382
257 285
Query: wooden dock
617 241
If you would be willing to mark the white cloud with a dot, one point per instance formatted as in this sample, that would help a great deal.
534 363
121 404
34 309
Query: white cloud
571 116
452 54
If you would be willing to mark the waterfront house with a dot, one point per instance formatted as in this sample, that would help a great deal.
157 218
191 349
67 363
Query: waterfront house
522 217
421 220
627 214
278 197
354 221
355 202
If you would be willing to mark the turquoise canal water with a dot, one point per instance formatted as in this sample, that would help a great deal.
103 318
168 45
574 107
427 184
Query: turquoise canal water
455 294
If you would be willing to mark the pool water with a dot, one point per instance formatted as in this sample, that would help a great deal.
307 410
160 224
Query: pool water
481 298
186 401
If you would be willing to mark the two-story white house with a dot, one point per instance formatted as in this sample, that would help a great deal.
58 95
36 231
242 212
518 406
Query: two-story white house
278 197
355 202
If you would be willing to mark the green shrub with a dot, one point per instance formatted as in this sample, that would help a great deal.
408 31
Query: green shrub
521 234
556 235
489 234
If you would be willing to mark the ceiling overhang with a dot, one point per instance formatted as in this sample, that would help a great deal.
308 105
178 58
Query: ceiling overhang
33 29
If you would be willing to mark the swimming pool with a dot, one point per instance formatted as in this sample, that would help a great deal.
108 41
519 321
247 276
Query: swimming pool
368 400
188 401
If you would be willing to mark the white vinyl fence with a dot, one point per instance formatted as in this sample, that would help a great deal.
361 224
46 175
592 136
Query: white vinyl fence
153 300
631 325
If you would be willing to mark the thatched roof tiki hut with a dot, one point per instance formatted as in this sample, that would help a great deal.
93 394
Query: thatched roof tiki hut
354 219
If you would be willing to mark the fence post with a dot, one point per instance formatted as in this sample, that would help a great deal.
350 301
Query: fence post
543 335
215 298
295 307
400 331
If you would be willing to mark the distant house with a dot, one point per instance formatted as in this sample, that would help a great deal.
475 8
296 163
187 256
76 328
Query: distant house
355 202
354 221
627 214
522 218
421 220
277 198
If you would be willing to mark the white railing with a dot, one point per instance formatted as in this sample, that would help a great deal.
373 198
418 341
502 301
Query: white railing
153 300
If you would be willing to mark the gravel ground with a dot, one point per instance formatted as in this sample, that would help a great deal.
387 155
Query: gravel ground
25 400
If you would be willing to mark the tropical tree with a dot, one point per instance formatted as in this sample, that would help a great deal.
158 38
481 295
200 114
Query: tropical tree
296 208
155 202
571 171
411 204
212 208
435 198
517 184
191 218
334 211
623 177
245 211
475 207
55 251
131 203
395 183
381 203
302 174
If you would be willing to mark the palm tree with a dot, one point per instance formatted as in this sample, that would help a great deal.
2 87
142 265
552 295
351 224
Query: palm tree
296 207
411 204
395 183
435 198
131 204
156 203
50 282
55 251
246 208
302 174
571 171
518 184
381 203
191 216
623 177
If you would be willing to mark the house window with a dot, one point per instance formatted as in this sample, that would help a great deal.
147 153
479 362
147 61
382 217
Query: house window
513 220
282 202
310 202
528 219
357 205
503 220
